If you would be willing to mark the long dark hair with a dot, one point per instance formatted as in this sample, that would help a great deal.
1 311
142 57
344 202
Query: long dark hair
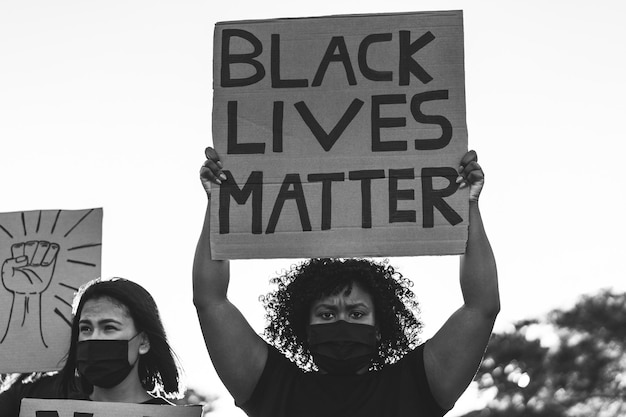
287 308
159 370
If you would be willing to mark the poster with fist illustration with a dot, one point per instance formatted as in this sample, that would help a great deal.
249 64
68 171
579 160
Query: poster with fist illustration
45 256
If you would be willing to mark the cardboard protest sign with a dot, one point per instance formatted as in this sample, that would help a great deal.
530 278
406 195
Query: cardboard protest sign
73 408
339 136
46 255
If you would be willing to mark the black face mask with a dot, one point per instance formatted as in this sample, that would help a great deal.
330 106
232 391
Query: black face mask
103 363
342 348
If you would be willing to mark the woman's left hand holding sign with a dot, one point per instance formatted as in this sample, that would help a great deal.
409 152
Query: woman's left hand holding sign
211 170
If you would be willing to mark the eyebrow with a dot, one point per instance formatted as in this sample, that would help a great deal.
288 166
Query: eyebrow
103 321
334 306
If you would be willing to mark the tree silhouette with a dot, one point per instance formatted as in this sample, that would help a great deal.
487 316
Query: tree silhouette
570 363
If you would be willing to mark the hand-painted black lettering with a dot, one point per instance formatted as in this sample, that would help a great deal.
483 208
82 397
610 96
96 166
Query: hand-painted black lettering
285 194
384 122
432 198
277 82
232 146
366 70
326 180
327 140
446 127
277 126
407 65
366 177
228 59
395 215
336 43
229 188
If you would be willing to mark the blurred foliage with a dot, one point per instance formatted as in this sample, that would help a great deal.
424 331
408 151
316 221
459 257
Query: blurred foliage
571 363
193 397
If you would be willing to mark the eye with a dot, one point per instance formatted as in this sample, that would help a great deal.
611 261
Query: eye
110 328
326 315
83 329
357 314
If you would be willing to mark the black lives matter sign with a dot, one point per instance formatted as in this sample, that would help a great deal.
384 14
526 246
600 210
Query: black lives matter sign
340 136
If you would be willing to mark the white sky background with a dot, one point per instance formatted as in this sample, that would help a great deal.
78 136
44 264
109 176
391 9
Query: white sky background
108 104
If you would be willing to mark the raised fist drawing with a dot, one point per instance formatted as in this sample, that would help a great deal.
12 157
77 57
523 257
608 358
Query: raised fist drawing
30 269
27 274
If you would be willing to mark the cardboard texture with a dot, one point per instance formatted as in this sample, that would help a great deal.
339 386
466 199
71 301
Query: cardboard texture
46 255
340 136
73 408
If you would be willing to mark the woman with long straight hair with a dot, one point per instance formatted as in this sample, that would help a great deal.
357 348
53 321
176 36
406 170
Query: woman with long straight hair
118 352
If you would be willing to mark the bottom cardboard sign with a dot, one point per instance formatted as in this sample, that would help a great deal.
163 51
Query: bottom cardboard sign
32 407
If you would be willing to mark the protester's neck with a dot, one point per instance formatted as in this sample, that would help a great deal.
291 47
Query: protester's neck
127 391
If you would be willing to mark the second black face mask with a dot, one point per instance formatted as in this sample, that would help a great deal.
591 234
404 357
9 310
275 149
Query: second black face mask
342 348
103 363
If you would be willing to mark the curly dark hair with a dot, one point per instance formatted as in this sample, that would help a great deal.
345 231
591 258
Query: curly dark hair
288 307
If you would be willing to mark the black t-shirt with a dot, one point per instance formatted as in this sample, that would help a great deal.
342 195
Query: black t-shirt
398 390
46 387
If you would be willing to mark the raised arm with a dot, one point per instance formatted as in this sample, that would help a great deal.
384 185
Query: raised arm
237 352
453 355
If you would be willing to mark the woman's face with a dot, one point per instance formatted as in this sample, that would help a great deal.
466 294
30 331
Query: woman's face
103 319
355 307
